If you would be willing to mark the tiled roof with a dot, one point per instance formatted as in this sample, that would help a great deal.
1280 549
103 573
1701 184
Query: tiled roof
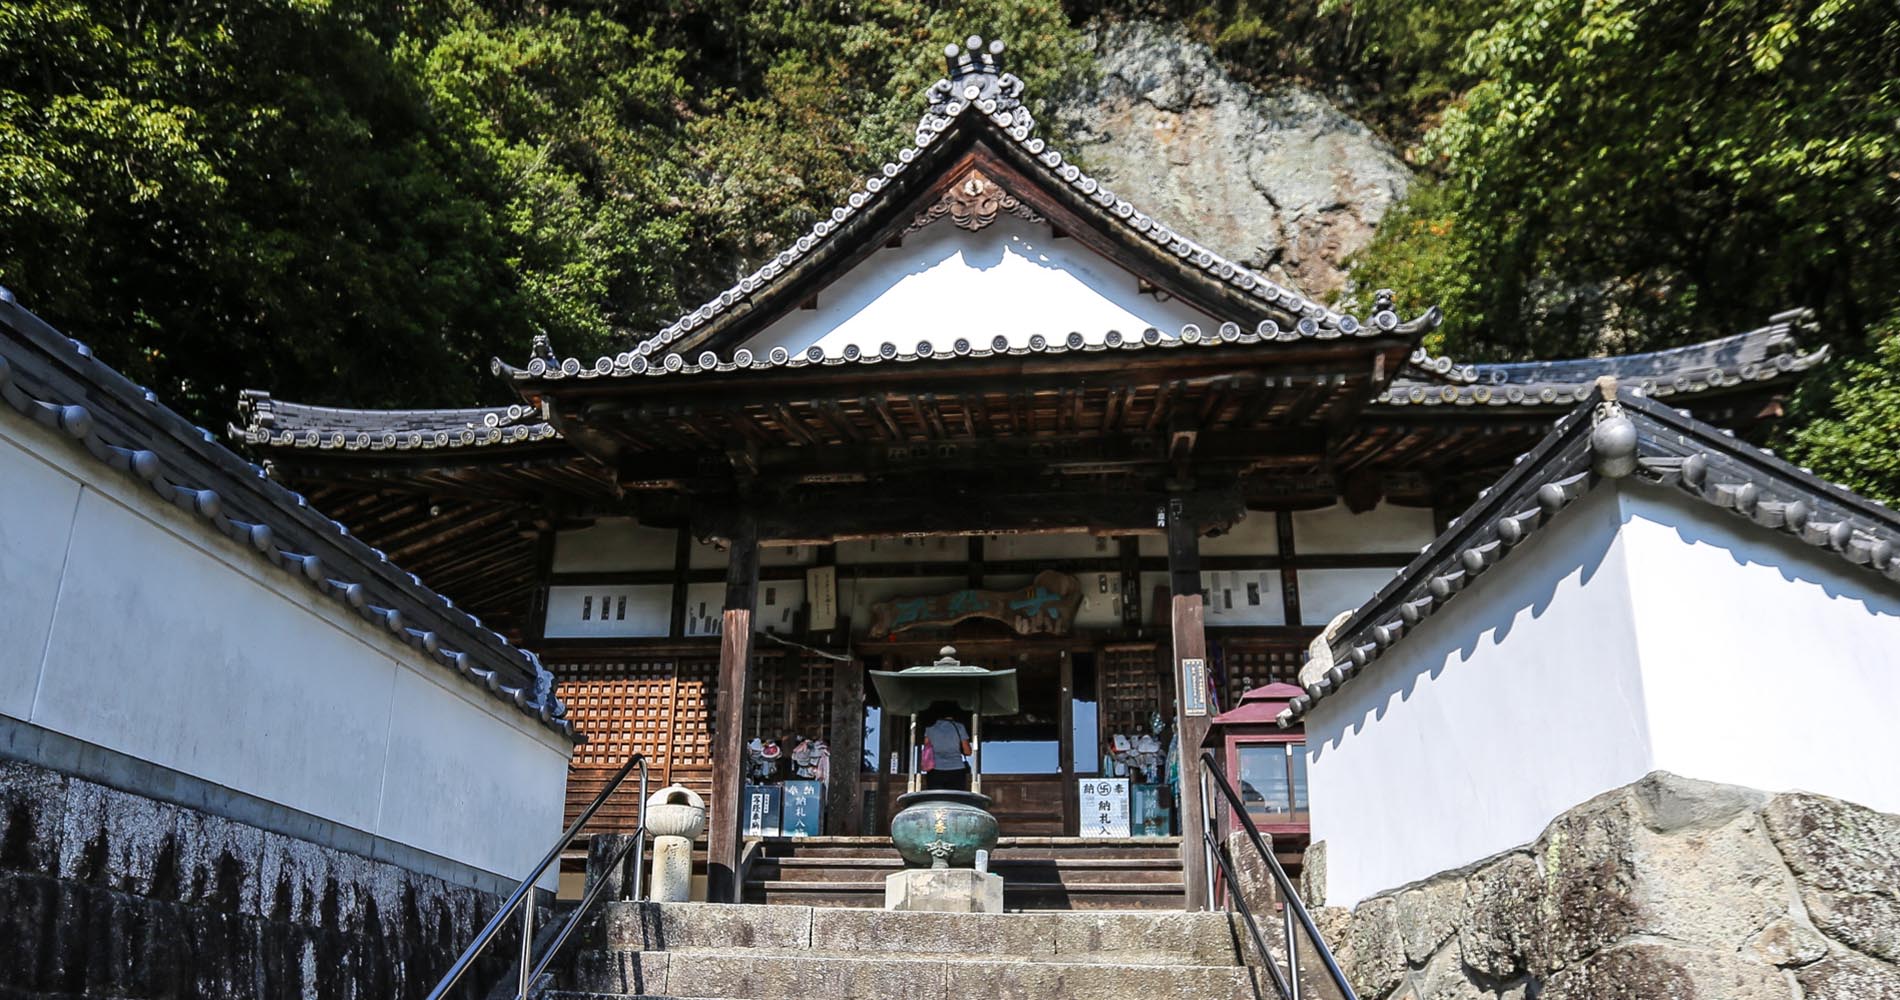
1619 433
269 421
1760 355
975 92
56 382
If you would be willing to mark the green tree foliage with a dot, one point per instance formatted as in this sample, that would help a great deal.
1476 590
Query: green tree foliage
361 202
1856 442
1633 173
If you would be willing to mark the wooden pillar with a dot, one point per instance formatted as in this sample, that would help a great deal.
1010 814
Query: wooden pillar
735 658
682 569
1065 742
1191 705
847 747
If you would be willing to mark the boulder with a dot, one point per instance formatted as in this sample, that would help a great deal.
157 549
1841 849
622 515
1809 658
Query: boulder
1277 178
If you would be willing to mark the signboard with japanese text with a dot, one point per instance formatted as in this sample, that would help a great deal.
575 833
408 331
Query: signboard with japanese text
803 811
1104 807
1193 686
762 809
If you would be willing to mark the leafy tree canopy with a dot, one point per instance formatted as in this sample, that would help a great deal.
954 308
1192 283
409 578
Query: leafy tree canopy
1634 173
361 202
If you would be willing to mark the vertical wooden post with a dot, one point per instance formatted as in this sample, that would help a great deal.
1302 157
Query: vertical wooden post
682 568
887 743
1071 806
1129 551
1190 706
1289 567
846 740
735 658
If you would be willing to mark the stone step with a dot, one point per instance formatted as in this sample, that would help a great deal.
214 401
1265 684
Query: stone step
1029 896
1065 870
1136 938
716 974
1006 847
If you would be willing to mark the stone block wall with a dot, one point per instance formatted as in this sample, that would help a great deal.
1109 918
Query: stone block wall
105 893
1666 889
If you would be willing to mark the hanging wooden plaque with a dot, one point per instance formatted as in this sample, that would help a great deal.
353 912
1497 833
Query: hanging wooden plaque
1047 606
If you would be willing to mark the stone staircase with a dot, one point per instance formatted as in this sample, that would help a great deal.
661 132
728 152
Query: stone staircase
1040 873
837 953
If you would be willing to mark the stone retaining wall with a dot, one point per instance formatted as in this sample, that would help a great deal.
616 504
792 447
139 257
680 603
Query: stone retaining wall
1667 888
107 893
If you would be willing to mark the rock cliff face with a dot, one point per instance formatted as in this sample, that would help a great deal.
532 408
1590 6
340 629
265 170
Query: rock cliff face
1668 888
1278 179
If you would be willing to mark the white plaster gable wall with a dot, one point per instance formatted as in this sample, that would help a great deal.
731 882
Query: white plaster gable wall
1766 663
1641 631
1519 700
1013 278
163 640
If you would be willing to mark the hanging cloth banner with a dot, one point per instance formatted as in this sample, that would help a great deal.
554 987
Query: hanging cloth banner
1046 606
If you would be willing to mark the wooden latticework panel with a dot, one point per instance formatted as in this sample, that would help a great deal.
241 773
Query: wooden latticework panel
661 706
1242 664
694 702
664 707
1130 679
789 697
624 707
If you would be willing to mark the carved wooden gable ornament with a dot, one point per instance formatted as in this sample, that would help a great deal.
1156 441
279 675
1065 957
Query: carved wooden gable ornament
973 202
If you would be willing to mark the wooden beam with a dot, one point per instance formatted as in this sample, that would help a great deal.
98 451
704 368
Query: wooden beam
1191 707
819 516
535 628
1289 574
735 658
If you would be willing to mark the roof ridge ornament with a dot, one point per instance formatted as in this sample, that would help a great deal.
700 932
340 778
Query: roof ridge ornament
974 76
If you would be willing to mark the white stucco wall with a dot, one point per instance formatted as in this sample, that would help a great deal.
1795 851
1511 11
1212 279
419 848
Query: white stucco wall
1767 663
131 626
1641 631
1518 701
1013 278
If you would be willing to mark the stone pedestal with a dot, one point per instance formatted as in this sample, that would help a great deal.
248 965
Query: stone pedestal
601 848
944 890
674 815
672 870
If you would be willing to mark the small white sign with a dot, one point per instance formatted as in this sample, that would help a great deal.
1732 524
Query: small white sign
821 590
1193 686
1104 806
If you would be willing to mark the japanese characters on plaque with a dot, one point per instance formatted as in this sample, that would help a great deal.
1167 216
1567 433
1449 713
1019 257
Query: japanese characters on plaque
1193 686
1104 807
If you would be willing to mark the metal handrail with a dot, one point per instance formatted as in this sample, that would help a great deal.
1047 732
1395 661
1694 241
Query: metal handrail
1295 912
526 888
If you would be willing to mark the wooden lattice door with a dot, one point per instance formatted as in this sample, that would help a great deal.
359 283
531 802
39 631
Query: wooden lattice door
1132 682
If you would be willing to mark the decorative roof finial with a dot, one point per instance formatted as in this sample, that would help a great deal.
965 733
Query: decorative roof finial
974 74
972 59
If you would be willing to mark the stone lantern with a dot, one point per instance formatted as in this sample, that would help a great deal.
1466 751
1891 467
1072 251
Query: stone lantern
675 816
